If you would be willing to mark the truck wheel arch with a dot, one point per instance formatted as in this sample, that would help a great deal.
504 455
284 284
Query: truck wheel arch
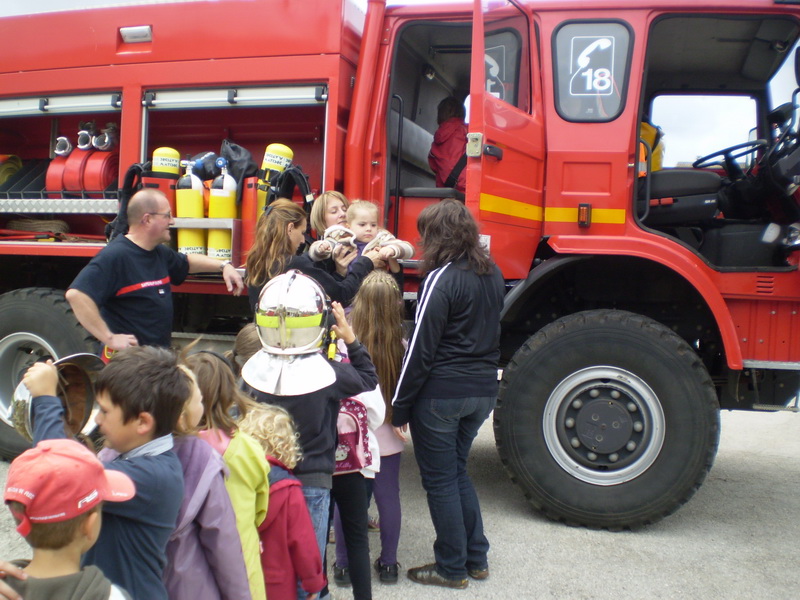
566 284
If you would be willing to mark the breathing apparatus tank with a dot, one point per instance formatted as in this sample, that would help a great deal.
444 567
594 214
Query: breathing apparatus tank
165 170
166 160
221 205
276 158
189 200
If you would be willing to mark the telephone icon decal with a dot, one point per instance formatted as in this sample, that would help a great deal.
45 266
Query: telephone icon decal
592 66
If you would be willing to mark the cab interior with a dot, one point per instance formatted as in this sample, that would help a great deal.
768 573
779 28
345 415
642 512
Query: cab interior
731 201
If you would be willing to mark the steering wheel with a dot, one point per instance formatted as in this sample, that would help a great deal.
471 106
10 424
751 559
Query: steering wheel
730 155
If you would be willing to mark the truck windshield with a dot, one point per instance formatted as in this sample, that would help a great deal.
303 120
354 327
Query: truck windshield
695 126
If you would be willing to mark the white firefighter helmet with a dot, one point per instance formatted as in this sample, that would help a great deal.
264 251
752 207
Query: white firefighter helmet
292 315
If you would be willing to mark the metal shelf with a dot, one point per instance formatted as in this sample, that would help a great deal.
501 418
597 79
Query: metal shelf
201 223
235 226
59 205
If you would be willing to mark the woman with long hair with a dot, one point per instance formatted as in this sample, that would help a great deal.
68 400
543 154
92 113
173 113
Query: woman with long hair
280 233
448 385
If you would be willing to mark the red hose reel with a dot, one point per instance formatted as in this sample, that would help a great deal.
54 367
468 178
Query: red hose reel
82 171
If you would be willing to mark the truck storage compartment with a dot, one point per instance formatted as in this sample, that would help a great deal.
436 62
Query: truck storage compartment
192 121
196 121
71 192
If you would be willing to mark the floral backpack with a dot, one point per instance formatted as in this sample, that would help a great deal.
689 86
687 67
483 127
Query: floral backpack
352 449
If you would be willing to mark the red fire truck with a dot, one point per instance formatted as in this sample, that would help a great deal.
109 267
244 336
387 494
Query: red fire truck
642 297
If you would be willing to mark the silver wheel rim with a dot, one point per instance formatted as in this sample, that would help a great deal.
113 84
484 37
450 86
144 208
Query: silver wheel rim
18 351
604 425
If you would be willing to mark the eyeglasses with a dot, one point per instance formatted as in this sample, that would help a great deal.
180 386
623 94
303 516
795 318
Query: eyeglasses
167 214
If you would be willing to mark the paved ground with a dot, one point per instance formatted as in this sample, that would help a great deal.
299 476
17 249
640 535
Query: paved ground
737 538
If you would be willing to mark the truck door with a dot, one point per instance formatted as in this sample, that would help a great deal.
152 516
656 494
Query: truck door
505 148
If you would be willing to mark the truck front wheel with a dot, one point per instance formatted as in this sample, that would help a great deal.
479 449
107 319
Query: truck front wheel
607 419
35 324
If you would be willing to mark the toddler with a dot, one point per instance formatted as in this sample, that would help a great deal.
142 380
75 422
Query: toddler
287 535
363 233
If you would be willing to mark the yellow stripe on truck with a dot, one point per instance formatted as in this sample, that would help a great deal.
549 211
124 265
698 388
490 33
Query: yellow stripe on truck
512 208
531 212
615 216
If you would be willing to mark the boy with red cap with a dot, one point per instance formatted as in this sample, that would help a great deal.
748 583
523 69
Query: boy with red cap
54 492
141 393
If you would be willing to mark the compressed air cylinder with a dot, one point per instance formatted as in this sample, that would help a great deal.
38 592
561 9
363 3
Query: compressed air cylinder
276 158
166 160
165 168
221 205
189 200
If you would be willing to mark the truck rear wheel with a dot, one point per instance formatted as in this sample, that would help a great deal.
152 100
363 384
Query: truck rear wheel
607 419
35 324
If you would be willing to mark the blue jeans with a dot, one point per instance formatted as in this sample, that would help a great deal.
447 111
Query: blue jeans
443 431
318 502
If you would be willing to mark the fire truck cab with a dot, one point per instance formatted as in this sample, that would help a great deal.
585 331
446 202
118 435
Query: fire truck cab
647 289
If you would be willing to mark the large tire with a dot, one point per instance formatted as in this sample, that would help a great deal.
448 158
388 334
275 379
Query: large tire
607 419
35 324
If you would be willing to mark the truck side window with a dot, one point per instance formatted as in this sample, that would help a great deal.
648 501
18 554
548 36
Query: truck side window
591 70
507 56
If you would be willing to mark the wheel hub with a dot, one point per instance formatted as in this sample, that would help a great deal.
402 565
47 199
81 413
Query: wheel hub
604 425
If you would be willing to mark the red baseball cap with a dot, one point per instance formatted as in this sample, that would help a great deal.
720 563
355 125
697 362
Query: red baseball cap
60 479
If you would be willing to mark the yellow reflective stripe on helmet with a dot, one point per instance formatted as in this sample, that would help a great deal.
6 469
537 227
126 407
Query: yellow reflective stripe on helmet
290 322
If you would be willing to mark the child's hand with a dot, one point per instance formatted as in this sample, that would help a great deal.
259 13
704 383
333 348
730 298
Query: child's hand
41 379
342 328
324 247
387 252
375 256
394 266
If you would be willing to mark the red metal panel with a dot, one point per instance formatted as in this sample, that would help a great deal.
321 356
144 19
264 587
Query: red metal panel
49 249
234 28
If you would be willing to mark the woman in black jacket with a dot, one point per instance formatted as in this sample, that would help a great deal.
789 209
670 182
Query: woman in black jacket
448 385
279 235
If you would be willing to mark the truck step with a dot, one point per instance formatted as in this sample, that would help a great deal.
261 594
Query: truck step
791 408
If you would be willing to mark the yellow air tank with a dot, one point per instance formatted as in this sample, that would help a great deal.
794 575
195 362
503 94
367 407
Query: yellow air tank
221 205
276 158
166 160
189 200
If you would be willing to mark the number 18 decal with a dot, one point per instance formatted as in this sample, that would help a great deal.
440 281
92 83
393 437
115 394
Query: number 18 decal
591 66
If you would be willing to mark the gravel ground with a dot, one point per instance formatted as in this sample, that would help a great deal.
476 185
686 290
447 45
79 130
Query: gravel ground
735 539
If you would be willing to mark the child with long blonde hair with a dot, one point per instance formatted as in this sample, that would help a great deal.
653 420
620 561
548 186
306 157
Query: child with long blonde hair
377 320
204 552
247 482
287 534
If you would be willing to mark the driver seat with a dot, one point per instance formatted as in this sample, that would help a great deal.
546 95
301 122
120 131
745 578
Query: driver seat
680 197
